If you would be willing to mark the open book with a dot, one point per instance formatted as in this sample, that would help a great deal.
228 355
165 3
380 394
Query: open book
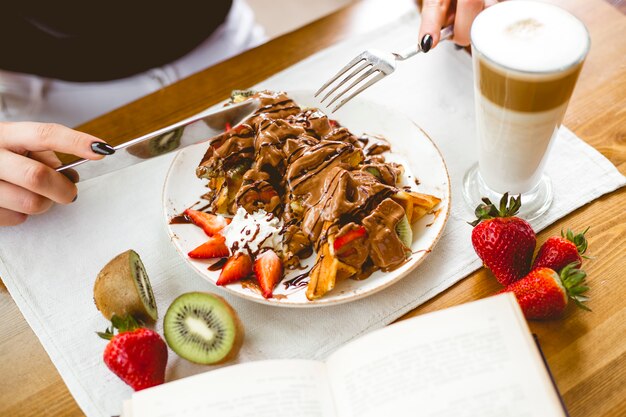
477 359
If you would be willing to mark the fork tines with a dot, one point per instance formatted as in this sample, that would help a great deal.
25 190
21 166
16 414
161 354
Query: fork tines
368 66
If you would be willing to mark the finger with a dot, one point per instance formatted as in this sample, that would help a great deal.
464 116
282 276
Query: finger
50 158
434 14
466 12
36 177
489 3
21 137
11 218
47 157
18 199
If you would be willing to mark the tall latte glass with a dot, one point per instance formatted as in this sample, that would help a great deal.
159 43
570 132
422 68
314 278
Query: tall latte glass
527 56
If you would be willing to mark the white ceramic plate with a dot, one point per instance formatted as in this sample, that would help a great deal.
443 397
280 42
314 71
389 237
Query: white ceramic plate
410 146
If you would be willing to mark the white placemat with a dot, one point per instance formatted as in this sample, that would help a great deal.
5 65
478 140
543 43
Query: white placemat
49 264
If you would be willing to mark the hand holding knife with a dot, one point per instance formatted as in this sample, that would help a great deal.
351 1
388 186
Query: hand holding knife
29 180
195 129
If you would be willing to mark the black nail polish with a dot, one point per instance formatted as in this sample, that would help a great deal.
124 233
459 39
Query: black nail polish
102 148
75 197
71 175
426 43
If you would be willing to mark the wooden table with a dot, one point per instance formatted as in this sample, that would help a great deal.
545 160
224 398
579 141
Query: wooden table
586 351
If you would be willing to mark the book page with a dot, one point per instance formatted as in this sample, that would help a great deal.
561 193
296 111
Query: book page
477 359
273 388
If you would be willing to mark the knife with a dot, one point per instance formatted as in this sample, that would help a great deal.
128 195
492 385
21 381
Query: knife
195 129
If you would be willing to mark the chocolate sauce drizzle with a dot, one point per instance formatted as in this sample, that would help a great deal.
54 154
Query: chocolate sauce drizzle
314 174
301 280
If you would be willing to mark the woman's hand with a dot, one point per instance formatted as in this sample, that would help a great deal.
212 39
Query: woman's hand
439 13
28 182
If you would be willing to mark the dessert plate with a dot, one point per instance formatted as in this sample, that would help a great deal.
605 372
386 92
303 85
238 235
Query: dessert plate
426 172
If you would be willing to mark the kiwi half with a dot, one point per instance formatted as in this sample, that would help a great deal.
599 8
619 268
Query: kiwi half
203 328
404 231
122 287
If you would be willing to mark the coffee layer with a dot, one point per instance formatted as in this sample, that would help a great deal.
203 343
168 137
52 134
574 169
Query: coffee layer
518 92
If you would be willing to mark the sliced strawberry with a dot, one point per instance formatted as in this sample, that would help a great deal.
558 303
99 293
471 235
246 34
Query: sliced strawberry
236 267
240 128
349 237
215 247
268 269
210 223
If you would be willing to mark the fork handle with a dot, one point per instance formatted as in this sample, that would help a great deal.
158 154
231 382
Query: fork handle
446 33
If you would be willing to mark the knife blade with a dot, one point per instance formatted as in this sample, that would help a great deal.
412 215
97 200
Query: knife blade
190 131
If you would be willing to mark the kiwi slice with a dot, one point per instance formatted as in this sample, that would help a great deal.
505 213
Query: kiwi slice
375 172
203 328
404 231
122 287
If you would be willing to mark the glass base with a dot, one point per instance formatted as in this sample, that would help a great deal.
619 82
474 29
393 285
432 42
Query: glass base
534 203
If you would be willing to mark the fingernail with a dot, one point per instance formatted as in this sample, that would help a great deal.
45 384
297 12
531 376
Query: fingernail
102 148
426 43
458 47
75 197
71 175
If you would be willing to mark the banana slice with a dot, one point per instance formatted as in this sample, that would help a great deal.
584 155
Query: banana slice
422 204
416 205
325 273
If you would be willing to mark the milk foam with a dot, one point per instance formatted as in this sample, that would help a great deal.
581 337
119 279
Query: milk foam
529 36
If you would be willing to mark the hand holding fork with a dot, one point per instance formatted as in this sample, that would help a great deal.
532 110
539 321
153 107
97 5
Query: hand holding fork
371 66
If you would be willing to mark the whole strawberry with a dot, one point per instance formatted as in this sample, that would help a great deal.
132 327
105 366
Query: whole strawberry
544 294
137 355
505 243
559 251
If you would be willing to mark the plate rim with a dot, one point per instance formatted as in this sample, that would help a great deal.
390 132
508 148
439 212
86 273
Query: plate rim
321 302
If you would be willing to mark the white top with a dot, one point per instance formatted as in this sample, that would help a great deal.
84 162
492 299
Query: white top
530 36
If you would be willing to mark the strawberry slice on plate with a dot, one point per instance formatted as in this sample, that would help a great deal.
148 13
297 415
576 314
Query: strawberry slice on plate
210 223
215 247
343 240
268 269
236 267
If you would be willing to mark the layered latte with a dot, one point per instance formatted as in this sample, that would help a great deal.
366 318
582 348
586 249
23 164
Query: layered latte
527 56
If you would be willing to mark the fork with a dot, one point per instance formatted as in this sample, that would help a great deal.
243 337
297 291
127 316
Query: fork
368 63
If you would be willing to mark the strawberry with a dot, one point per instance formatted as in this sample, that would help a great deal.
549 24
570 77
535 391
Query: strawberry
543 294
236 267
559 251
135 354
505 243
351 235
215 247
210 223
268 269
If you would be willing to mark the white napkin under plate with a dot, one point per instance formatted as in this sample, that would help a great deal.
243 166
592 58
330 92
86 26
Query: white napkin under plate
49 263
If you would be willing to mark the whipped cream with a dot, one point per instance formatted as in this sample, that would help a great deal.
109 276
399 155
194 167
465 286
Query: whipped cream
253 231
